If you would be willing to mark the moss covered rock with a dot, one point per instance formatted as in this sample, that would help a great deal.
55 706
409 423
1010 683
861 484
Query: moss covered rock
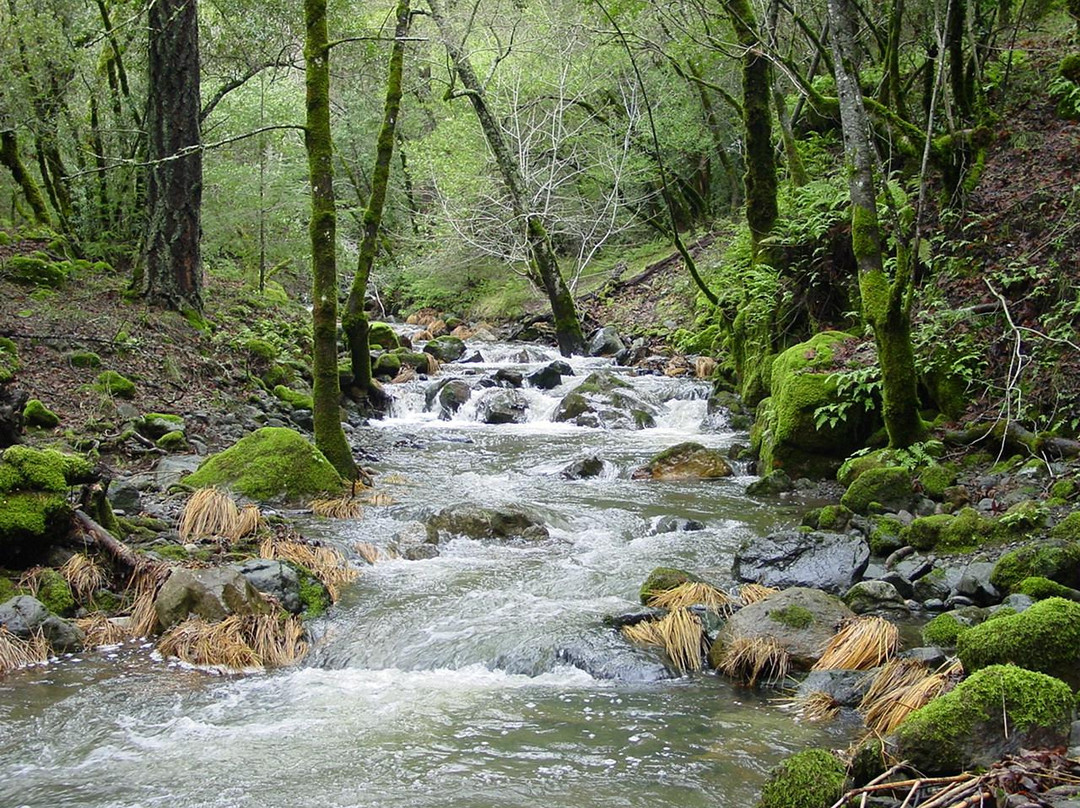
172 441
603 400
154 425
55 593
298 401
943 630
383 336
685 461
37 414
1044 637
813 778
967 530
1038 588
273 463
887 488
9 360
416 360
662 579
445 349
925 532
84 359
387 364
31 271
998 710
112 383
1057 560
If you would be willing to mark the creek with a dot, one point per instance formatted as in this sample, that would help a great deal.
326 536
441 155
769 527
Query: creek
482 677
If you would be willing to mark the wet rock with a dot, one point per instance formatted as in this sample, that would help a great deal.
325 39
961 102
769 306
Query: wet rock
771 485
411 543
583 468
548 377
604 401
212 594
621 664
674 524
828 561
169 470
503 407
476 522
846 688
929 655
505 377
445 349
974 583
876 597
125 496
605 342
452 396
802 620
276 579
685 461
474 358
23 616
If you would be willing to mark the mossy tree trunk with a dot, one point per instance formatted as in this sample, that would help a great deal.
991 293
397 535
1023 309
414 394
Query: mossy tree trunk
326 393
761 205
544 264
886 302
9 158
355 319
173 274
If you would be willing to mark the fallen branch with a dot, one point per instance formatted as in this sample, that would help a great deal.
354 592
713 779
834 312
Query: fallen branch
123 554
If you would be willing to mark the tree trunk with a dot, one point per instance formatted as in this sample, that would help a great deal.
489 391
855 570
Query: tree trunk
885 303
355 320
544 264
174 192
326 393
9 158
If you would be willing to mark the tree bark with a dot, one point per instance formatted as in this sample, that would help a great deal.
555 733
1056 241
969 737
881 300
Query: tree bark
9 157
355 319
326 392
174 192
544 263
885 302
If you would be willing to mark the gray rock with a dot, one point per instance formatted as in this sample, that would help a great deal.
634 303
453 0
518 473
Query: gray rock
773 484
445 349
846 688
1017 602
125 496
276 579
505 377
303 419
605 342
604 401
783 617
452 396
934 605
503 407
583 468
929 655
914 566
899 582
476 522
23 616
674 524
212 594
63 635
474 358
546 378
937 584
154 425
170 469
975 584
875 597
828 561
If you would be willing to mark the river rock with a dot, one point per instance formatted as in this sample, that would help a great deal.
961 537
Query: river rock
828 561
276 579
605 342
876 597
772 484
452 395
583 468
411 543
845 688
445 349
212 594
548 377
476 522
24 615
605 401
685 461
674 524
505 377
975 584
170 469
802 620
503 407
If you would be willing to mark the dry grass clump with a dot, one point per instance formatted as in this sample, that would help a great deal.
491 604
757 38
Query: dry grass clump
862 643
748 658
142 589
817 706
100 630
901 687
753 593
248 522
432 364
693 593
679 633
31 580
16 652
238 642
379 499
337 508
325 563
84 575
208 512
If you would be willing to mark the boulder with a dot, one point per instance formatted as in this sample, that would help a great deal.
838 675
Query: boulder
996 711
685 461
272 463
383 336
876 597
801 620
605 342
452 395
411 543
603 400
1045 637
809 779
212 594
772 484
583 468
845 688
662 579
548 377
975 584
154 425
445 349
674 524
829 561
277 579
36 414
505 377
1054 559
503 407
24 615
476 522
883 489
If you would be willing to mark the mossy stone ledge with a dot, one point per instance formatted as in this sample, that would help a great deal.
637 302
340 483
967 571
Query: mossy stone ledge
1044 637
812 778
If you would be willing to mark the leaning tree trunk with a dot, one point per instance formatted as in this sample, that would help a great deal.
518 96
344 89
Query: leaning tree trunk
326 392
355 320
9 157
173 271
543 262
885 303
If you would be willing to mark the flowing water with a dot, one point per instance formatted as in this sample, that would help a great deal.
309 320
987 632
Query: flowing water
482 677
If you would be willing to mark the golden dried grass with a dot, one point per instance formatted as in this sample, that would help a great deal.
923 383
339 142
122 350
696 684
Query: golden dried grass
748 658
817 706
239 642
15 652
367 551
693 593
860 644
31 580
208 512
100 630
753 593
338 508
644 633
433 364
900 688
325 563
142 589
679 633
84 575
379 499
248 523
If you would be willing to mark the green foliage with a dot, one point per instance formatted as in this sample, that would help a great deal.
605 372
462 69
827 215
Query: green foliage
1066 93
1045 637
857 390
809 779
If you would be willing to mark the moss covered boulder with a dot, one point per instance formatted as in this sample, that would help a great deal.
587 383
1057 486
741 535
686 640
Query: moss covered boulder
880 489
37 414
813 778
1044 637
298 401
605 401
662 579
114 384
32 271
383 336
1056 559
788 434
446 349
9 360
154 425
685 461
997 711
273 463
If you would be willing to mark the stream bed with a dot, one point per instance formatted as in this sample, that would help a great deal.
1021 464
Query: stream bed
481 677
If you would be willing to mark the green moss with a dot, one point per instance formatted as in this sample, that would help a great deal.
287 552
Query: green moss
601 382
271 463
793 616
314 596
387 365
54 592
37 414
27 469
1045 637
936 478
1063 489
1057 560
1024 516
1042 588
27 518
9 360
939 736
852 468
889 487
8 590
942 631
417 361
834 517
809 779
1068 529
84 359
1069 68
662 579
298 401
383 335
261 349
172 441
967 530
924 533
886 536
112 383
445 349
31 271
